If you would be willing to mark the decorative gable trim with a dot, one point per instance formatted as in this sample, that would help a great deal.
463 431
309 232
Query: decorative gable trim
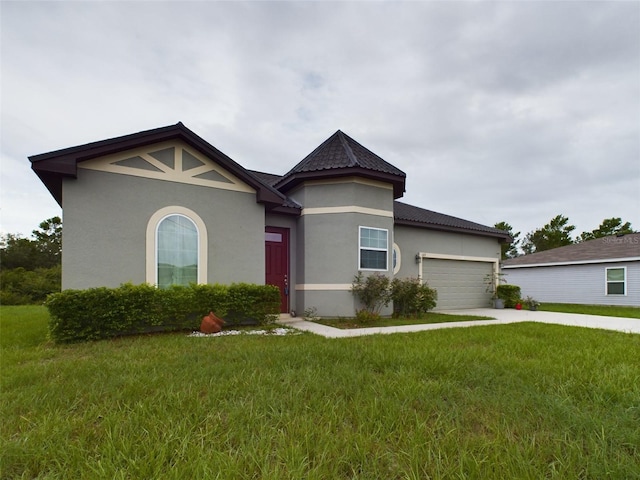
171 161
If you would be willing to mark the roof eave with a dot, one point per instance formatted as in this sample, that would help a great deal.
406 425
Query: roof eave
291 181
502 238
286 210
561 263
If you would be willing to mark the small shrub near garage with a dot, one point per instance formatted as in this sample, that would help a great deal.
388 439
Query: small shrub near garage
510 294
96 313
412 298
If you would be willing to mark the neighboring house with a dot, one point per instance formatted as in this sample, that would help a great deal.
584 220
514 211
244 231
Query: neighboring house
165 207
604 271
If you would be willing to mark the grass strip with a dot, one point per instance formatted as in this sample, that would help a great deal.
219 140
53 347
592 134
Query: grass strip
431 317
606 310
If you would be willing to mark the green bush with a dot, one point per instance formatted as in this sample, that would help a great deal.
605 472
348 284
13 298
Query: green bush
365 316
510 294
20 286
248 301
102 312
412 298
372 291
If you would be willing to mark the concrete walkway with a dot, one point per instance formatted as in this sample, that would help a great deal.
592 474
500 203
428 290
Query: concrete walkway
627 325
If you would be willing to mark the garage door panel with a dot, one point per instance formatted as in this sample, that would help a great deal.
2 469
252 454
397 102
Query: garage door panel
460 284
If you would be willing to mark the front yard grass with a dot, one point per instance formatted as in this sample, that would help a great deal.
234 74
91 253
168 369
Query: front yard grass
430 317
606 310
524 401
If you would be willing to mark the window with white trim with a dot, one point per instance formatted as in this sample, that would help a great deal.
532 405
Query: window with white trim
176 247
616 280
397 259
177 251
373 248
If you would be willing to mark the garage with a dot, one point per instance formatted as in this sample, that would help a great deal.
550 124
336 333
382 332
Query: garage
460 283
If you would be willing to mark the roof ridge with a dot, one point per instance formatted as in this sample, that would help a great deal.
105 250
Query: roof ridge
354 162
308 157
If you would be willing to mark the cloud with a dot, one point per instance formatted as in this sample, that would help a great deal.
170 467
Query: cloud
514 111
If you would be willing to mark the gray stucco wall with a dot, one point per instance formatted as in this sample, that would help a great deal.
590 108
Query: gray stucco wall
324 194
105 221
328 243
584 284
460 279
413 240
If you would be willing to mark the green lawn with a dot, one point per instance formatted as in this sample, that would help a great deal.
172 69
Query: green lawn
607 310
430 317
524 401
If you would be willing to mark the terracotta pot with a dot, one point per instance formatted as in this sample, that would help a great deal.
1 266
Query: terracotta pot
211 323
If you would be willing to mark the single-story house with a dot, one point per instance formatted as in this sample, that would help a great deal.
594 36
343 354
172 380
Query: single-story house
604 271
163 206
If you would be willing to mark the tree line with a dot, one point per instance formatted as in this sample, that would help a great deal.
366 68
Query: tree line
30 267
557 233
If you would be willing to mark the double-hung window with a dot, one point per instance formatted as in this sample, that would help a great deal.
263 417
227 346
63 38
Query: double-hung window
616 280
374 248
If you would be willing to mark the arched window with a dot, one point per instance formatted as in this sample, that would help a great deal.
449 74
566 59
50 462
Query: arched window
177 243
176 248
397 259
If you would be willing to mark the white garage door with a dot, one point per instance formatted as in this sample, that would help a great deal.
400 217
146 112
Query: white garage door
460 284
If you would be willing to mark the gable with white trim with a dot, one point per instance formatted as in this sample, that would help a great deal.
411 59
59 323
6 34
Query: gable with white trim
172 162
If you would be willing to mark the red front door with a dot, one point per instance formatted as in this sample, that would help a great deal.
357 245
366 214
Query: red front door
277 262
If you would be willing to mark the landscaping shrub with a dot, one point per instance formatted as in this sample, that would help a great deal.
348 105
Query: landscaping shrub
412 298
510 294
20 286
246 302
365 316
372 291
107 312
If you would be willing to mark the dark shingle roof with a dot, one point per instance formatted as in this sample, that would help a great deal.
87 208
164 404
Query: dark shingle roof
342 151
591 251
405 214
271 179
268 178
339 156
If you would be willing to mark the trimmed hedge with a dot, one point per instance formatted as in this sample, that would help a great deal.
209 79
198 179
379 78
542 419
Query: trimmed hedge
97 313
510 294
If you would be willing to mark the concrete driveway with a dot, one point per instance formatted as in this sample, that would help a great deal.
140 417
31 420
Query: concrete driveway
501 316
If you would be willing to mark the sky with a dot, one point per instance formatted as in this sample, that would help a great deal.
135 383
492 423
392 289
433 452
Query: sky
496 111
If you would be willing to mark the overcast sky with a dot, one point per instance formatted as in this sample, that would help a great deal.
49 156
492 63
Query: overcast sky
496 111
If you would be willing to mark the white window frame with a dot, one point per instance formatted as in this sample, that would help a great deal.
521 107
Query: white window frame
607 282
361 248
398 258
152 242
